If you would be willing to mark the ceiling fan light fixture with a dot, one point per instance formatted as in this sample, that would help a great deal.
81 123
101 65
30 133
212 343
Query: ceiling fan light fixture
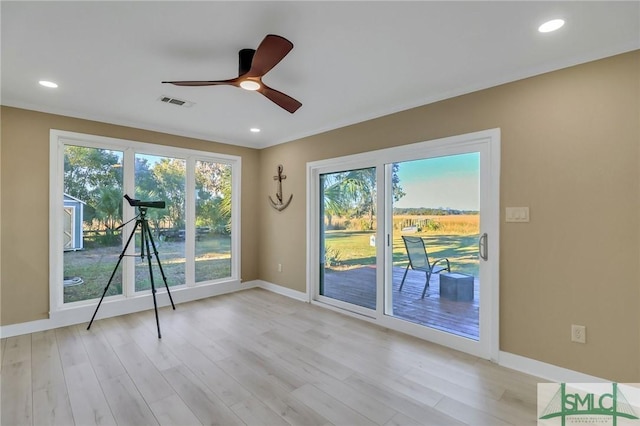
550 26
249 85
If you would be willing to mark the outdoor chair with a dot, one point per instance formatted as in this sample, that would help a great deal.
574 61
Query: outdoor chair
419 261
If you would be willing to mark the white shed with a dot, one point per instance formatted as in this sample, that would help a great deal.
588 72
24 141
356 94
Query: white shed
72 226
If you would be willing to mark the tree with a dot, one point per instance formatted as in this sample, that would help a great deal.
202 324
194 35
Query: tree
225 190
169 175
360 187
355 191
398 193
108 210
213 204
147 189
334 204
86 171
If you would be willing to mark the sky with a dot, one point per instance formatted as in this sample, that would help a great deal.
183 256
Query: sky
449 182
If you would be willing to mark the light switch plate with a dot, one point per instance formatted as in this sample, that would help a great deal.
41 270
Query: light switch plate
517 214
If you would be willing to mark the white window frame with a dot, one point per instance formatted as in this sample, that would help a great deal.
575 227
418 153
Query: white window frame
130 300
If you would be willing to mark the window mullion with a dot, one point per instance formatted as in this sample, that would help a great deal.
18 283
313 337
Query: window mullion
190 225
236 173
128 213
56 259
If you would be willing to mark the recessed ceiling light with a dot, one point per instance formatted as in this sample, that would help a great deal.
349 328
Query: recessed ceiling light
254 130
46 83
552 25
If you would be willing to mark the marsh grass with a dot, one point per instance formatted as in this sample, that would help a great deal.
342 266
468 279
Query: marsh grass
463 224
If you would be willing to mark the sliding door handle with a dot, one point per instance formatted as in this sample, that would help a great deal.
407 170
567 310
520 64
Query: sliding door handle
483 247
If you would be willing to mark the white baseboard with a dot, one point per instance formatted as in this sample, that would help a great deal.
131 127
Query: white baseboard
82 314
284 291
523 364
26 328
550 372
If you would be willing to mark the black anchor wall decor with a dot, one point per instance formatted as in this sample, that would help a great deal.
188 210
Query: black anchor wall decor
279 204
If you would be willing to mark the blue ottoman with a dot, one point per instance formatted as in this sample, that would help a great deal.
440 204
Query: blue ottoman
454 286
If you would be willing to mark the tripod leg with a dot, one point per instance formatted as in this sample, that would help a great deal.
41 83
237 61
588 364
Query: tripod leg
124 250
164 278
145 242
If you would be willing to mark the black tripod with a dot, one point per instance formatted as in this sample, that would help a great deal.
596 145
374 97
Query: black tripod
145 238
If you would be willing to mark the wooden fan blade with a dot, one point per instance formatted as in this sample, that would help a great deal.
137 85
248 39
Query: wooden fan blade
271 51
233 82
279 98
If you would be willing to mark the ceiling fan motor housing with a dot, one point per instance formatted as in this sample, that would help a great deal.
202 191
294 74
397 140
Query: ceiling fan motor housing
246 57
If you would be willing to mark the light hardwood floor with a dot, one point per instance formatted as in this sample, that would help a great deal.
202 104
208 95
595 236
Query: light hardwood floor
254 358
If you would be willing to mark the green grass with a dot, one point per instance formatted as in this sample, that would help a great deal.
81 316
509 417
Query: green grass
352 249
213 260
95 265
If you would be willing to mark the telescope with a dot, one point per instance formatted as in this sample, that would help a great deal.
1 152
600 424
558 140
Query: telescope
151 204
146 243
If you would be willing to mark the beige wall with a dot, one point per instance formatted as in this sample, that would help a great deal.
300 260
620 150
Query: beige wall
24 172
571 152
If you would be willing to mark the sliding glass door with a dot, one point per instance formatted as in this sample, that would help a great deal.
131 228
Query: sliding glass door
435 232
347 244
408 237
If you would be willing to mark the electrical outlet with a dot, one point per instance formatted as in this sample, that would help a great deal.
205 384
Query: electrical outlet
279 267
578 333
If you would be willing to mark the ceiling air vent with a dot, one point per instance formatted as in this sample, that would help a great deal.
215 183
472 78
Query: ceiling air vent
174 101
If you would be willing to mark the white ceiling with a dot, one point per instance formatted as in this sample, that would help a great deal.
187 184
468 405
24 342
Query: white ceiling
352 61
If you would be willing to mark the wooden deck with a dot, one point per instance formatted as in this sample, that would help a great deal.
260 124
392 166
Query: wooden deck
358 286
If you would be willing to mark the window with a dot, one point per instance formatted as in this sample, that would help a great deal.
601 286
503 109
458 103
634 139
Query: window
196 235
163 178
93 179
213 211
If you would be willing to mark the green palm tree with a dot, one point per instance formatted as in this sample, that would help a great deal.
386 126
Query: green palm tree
355 191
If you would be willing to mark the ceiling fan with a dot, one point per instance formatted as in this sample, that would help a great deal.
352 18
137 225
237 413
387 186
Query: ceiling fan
254 64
